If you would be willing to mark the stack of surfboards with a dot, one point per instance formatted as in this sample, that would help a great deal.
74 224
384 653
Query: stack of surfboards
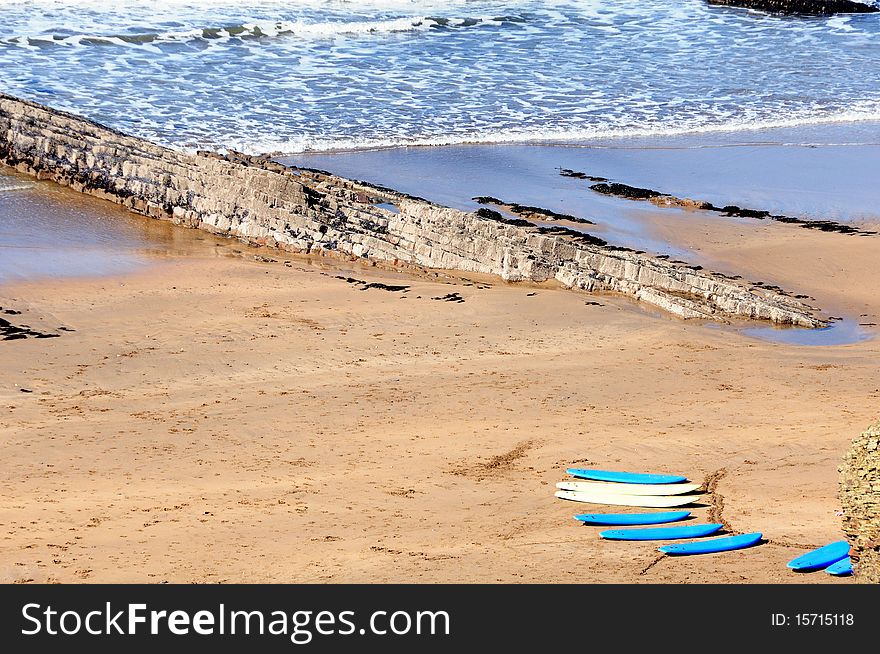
649 491
669 491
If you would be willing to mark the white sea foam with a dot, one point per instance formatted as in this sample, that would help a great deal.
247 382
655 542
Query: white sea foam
10 187
302 144
253 29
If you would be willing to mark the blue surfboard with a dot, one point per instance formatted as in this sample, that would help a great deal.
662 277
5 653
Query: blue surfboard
631 518
661 533
842 568
821 558
711 545
624 477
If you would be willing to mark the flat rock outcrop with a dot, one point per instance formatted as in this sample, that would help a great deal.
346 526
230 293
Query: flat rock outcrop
860 496
806 7
266 203
660 199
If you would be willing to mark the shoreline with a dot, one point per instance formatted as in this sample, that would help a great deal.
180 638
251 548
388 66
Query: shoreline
722 137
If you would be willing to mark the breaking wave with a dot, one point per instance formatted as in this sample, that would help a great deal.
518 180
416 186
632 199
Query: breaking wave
869 112
262 29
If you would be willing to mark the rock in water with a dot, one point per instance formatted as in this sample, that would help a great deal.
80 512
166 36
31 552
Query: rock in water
808 7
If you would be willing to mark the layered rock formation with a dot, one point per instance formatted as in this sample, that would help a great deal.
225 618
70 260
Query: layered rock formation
266 203
860 496
808 7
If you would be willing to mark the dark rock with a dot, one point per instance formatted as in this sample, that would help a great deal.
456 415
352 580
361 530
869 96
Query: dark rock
738 212
483 212
394 288
572 233
625 191
730 210
530 212
487 199
450 297
366 286
567 172
10 332
805 7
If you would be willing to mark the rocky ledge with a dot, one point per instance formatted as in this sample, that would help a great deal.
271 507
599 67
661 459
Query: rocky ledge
265 203
860 496
805 7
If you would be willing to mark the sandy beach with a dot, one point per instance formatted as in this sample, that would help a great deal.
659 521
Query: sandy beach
212 417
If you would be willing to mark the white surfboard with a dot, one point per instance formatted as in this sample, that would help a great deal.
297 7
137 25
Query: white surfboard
651 501
627 489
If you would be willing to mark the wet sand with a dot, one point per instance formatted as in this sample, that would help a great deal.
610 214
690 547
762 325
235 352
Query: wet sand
222 419
49 231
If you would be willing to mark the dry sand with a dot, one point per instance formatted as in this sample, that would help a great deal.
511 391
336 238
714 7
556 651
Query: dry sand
218 419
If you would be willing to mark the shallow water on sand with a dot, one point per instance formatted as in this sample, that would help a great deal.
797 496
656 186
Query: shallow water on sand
843 332
50 231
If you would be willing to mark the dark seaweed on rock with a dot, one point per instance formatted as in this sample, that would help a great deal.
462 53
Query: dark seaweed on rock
531 212
734 211
553 230
366 286
827 226
625 191
483 212
804 7
10 332
821 225
568 172
547 214
450 297
730 210
583 237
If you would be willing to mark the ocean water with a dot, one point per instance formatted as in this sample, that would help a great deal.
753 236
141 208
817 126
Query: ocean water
319 75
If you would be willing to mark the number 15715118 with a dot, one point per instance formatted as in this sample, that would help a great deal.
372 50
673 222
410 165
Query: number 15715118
824 619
